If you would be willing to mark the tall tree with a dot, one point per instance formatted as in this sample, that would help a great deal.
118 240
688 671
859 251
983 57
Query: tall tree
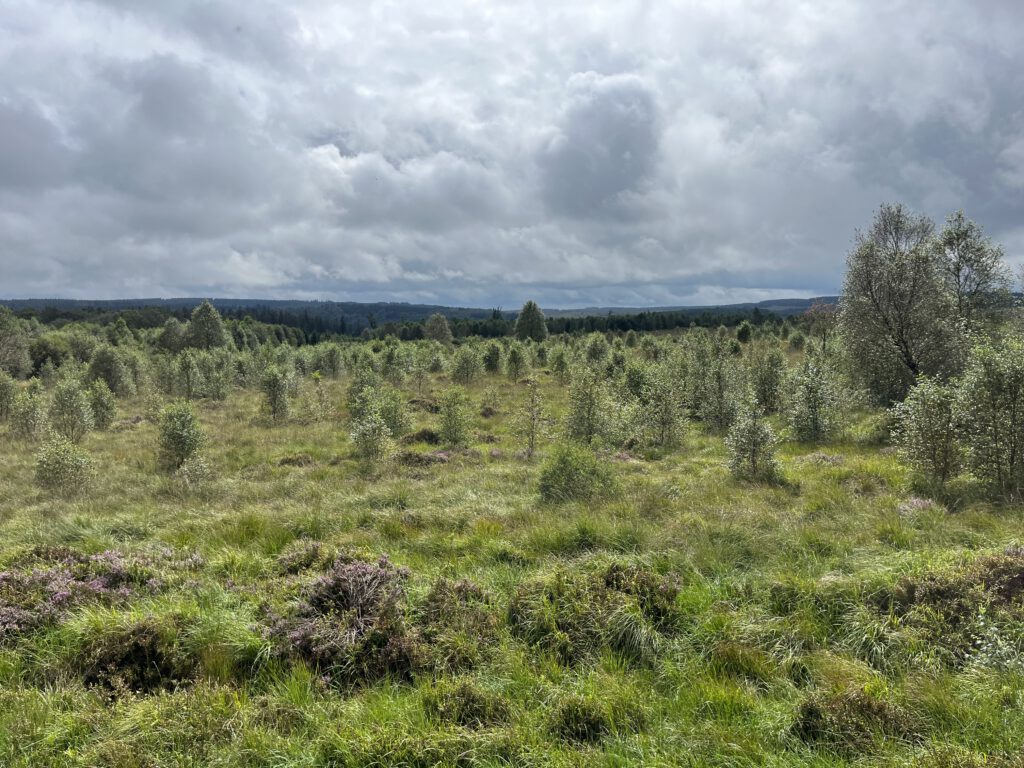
206 328
973 268
530 324
896 316
436 327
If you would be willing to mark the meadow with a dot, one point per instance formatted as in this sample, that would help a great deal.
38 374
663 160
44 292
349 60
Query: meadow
301 600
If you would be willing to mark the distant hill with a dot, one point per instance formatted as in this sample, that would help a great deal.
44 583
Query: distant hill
354 315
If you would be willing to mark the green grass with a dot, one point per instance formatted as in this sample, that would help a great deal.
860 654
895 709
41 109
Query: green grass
780 607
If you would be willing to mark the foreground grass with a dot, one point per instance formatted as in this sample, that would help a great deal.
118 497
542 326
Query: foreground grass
785 645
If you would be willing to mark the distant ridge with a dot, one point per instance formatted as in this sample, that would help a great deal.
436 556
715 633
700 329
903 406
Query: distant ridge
357 314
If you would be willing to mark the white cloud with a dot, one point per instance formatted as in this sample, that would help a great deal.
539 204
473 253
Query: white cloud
483 153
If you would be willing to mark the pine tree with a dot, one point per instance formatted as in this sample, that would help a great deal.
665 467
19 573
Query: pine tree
206 328
530 323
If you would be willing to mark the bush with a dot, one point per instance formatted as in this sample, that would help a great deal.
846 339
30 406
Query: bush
850 723
572 473
813 413
350 624
70 413
751 443
371 437
8 391
515 363
143 656
276 385
466 366
110 365
28 415
62 466
103 404
492 358
454 418
925 432
181 436
661 413
587 416
990 401
766 370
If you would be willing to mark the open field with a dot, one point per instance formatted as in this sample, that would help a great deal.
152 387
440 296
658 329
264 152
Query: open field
684 617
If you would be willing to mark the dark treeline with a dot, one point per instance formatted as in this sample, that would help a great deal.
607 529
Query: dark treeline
305 327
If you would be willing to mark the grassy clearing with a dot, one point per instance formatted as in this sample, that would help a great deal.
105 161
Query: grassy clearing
683 618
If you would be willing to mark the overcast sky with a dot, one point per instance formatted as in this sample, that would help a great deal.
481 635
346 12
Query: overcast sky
482 153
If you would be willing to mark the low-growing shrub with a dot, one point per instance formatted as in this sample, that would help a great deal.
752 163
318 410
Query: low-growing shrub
8 390
28 415
926 433
70 413
143 656
276 384
43 585
852 723
573 473
351 625
181 436
751 443
453 426
103 404
62 466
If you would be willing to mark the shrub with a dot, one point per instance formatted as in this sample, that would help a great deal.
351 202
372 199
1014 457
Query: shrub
743 332
194 471
572 473
492 358
766 371
558 362
142 656
103 404
661 413
8 390
62 466
371 437
453 427
48 582
350 624
990 411
276 385
716 389
112 366
751 443
181 436
70 413
925 432
851 722
530 419
466 366
813 414
515 363
586 418
28 415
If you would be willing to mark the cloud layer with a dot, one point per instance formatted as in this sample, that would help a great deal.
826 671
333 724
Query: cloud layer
481 153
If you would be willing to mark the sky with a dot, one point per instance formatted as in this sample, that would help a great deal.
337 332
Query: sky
484 153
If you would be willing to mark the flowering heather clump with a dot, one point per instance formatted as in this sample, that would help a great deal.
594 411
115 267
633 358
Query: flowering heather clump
351 624
52 581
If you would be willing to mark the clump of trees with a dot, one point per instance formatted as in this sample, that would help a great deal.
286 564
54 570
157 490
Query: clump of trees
911 295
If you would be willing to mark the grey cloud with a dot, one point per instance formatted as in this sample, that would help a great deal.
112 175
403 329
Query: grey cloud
579 154
605 146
